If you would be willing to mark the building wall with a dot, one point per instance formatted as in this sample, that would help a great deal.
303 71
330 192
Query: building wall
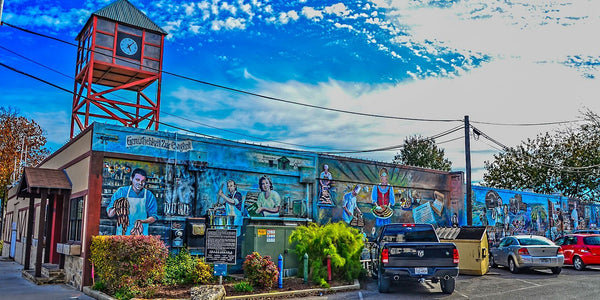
189 177
421 195
73 270
507 212
79 146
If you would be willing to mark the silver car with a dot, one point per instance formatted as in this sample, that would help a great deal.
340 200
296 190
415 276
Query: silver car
527 252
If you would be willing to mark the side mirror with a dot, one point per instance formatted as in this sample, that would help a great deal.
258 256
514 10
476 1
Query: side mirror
483 253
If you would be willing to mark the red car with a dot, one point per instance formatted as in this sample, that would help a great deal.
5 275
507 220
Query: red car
580 249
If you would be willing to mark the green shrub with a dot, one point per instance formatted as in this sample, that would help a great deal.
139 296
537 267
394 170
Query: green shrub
179 268
129 266
243 286
342 242
260 271
203 272
183 268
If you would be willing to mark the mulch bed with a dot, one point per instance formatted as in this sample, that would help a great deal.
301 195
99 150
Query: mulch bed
289 284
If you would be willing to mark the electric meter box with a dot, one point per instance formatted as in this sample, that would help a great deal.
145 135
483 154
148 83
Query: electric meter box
272 241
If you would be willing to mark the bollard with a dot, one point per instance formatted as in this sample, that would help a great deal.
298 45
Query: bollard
280 266
328 267
305 268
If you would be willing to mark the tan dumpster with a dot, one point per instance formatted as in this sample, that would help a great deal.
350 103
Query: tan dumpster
472 245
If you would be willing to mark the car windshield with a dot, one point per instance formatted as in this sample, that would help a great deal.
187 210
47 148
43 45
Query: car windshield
533 241
591 240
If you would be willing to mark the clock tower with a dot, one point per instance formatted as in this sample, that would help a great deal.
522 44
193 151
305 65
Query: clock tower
118 69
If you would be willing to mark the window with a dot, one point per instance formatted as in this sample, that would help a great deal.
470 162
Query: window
75 215
534 241
591 240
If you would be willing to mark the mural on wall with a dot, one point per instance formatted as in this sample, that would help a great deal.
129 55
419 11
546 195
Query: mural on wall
507 212
367 196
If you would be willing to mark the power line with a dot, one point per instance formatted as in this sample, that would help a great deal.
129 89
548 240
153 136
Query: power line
526 124
481 133
247 92
210 136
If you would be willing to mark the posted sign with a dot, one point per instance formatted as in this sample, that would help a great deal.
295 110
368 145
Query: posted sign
221 246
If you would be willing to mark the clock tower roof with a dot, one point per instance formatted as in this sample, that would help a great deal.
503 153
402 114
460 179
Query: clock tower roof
123 11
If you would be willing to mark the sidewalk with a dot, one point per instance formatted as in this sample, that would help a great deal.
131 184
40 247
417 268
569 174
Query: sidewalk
14 286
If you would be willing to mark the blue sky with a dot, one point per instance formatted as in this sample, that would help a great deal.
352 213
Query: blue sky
500 62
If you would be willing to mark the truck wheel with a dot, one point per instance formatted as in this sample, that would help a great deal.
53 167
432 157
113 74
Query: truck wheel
556 270
512 266
447 285
382 284
578 263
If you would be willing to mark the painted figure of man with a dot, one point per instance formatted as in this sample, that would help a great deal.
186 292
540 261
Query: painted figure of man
268 200
574 217
233 204
325 177
383 195
134 206
349 204
233 199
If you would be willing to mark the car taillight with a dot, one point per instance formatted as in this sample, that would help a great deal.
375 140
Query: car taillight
385 256
408 225
523 251
560 251
455 256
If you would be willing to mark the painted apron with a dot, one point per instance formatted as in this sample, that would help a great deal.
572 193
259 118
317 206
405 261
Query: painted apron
137 211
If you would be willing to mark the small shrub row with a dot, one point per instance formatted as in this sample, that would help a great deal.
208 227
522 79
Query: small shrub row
129 266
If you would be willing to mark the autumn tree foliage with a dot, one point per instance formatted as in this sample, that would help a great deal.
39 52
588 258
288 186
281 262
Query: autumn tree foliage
21 144
566 161
422 152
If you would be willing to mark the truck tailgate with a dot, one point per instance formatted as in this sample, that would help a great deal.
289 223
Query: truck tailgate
420 254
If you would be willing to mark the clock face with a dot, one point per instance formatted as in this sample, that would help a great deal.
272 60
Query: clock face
128 46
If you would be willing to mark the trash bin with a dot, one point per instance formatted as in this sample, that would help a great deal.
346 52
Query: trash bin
472 245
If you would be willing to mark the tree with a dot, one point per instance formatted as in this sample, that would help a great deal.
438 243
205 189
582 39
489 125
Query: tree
420 152
566 162
22 144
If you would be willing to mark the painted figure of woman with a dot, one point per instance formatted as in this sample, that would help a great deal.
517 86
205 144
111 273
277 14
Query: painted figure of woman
268 201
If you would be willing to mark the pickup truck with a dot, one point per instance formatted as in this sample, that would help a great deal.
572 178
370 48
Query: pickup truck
412 252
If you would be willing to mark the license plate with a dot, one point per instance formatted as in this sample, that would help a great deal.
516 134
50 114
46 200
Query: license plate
420 271
544 260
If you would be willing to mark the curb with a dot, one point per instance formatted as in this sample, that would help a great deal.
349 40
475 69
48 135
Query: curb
96 294
355 286
287 294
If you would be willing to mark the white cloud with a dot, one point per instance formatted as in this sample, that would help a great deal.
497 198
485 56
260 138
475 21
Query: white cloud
311 13
228 24
338 9
229 8
285 17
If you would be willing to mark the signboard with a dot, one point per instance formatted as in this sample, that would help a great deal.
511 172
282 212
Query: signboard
221 246
220 270
270 235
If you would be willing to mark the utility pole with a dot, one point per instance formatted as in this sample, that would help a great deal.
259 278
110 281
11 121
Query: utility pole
468 171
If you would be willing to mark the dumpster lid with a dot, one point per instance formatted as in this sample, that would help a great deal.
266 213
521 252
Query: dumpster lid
461 233
447 233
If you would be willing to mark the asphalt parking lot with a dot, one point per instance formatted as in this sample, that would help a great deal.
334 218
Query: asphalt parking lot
499 283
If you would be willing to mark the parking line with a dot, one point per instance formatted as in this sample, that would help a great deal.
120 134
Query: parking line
528 282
